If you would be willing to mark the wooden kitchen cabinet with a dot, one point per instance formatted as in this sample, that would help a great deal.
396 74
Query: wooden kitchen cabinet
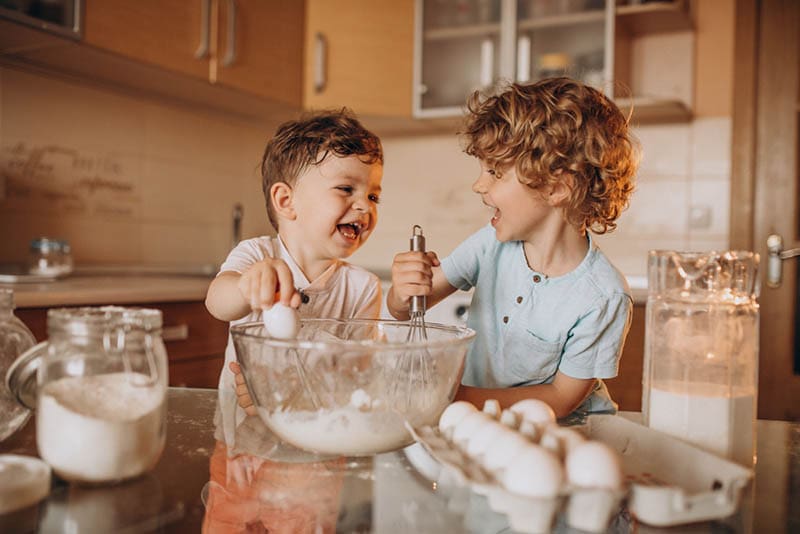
253 46
165 33
195 341
463 46
360 54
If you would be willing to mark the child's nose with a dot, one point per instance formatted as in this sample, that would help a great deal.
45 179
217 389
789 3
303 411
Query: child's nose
478 186
361 204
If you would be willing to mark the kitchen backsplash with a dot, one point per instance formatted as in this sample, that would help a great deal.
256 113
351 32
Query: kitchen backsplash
128 180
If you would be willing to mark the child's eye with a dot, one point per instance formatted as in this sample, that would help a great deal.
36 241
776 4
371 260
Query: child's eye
345 188
493 172
375 198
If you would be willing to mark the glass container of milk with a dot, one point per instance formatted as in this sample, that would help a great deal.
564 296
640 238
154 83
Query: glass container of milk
701 350
101 383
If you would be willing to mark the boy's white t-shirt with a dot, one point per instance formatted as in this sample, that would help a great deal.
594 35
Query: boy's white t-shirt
342 291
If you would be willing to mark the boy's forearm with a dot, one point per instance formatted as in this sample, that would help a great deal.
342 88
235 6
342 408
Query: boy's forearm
224 301
562 402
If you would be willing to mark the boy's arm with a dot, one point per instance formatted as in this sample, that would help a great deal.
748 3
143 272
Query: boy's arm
564 394
224 300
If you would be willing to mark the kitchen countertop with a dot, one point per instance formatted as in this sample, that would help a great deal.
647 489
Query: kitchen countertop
96 290
384 493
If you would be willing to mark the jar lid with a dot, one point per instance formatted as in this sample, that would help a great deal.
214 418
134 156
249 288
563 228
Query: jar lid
21 377
24 481
46 244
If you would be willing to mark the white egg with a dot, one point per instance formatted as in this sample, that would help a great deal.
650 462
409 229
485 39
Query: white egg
468 426
593 464
534 472
453 414
483 438
501 452
534 411
560 440
281 321
492 407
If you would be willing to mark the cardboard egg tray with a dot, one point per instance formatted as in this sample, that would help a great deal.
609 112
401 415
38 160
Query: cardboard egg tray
669 482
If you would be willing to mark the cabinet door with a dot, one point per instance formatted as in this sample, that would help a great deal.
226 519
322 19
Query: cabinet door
260 48
165 33
460 44
360 54
563 38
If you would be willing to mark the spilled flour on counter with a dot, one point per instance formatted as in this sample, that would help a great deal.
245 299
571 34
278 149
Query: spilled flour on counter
102 427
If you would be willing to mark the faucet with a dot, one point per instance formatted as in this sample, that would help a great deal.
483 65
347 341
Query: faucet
238 213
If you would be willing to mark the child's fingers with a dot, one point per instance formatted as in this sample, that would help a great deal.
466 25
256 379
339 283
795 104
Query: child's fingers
285 282
295 300
434 258
235 368
266 292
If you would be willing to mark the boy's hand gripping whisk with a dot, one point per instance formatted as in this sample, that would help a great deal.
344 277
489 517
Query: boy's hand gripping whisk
412 373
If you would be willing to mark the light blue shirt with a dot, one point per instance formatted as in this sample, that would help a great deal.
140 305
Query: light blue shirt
529 326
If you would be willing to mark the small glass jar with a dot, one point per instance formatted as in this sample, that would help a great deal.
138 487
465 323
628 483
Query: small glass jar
50 257
101 392
15 338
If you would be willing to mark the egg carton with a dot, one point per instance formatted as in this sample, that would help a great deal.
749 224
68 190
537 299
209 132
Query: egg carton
669 482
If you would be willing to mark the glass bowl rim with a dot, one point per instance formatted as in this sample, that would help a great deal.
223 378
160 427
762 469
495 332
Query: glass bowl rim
466 335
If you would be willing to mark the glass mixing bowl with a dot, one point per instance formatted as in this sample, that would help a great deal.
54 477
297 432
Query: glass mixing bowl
348 387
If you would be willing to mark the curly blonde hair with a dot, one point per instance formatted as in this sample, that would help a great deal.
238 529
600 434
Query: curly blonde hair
307 141
554 127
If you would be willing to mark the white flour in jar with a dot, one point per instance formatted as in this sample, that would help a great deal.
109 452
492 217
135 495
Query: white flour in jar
100 428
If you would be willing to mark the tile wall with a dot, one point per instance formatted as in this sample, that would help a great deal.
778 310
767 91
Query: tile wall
135 181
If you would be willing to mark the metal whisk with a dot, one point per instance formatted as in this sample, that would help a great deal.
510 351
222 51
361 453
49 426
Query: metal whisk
413 373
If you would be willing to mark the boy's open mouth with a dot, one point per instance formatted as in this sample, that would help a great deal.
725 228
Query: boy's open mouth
350 230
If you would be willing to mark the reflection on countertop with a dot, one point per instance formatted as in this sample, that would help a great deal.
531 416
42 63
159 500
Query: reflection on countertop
196 482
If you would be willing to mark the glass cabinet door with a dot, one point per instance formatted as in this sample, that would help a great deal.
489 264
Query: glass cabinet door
563 38
459 51
464 45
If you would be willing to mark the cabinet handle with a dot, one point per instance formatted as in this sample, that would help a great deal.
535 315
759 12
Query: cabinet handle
487 62
523 59
230 50
320 62
178 332
205 33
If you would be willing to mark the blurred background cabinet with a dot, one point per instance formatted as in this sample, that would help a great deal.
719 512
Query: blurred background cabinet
250 45
464 45
359 53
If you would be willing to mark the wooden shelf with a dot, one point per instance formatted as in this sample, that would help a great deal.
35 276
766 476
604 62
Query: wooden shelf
462 32
648 110
557 21
655 17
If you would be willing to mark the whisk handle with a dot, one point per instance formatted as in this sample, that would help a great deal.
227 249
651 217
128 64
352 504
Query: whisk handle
417 244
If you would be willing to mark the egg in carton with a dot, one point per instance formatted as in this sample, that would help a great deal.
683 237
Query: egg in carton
526 465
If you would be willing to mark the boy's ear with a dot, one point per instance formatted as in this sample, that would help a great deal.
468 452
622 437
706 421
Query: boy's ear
281 196
561 190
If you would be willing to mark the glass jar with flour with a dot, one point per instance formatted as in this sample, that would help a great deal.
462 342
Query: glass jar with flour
100 392
701 349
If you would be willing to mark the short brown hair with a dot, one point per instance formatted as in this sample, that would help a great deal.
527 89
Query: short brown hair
308 141
559 125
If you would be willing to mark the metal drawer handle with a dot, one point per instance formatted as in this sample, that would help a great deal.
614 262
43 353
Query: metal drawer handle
178 332
775 258
205 24
230 52
320 63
